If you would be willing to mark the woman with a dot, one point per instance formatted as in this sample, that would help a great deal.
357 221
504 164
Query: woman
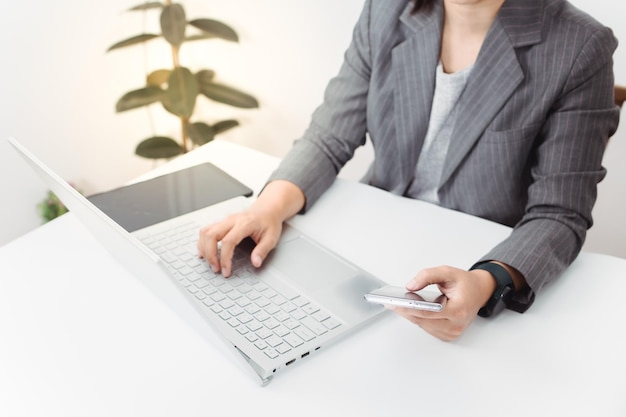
497 108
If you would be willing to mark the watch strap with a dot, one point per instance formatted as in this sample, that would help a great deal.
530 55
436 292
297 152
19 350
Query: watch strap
504 288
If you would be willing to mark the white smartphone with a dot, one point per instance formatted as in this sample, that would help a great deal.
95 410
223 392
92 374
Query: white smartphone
397 296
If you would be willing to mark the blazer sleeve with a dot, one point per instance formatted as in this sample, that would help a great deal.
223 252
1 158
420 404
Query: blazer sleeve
337 127
565 169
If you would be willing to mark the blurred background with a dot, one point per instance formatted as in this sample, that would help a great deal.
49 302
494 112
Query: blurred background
59 87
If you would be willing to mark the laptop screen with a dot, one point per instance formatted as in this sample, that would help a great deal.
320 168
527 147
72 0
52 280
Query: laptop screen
171 195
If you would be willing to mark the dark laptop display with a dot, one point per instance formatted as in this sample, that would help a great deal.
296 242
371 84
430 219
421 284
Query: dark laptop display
149 202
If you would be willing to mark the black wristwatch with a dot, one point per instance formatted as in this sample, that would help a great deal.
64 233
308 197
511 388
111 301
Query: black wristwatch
503 292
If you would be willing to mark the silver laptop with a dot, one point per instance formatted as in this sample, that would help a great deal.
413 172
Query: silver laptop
303 298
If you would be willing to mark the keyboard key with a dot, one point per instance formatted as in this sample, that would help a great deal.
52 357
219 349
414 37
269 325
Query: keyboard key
254 326
288 307
271 353
315 326
201 283
300 301
227 303
209 290
298 314
331 323
260 344
320 315
269 293
281 316
304 333
293 340
271 323
218 296
189 273
244 318
279 300
272 309
262 316
234 295
281 331
291 323
273 340
310 308
252 308
283 348
264 333
263 302
235 310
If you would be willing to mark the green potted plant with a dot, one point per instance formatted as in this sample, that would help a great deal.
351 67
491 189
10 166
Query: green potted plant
177 88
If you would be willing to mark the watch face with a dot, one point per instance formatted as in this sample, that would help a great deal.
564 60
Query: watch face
501 302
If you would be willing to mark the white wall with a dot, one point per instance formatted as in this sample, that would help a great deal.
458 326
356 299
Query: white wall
59 88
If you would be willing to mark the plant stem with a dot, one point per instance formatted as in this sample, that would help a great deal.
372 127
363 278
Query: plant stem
183 131
176 62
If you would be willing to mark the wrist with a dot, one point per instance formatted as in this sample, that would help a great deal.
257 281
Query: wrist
485 283
504 288
280 198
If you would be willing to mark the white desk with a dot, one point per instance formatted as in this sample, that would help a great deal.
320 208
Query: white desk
82 337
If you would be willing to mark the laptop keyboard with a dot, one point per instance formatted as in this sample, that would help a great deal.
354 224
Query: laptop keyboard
274 321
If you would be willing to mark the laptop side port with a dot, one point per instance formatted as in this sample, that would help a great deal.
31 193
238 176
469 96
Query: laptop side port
305 354
290 362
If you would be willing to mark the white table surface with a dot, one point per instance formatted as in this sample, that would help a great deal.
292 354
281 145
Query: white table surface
80 336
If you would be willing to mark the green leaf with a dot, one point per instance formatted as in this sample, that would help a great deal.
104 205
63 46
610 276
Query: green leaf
215 29
146 6
158 77
224 125
199 37
133 41
228 95
205 77
138 98
200 133
158 147
173 24
181 93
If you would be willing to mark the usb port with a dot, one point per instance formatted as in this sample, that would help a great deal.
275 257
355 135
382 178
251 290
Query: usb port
305 354
290 362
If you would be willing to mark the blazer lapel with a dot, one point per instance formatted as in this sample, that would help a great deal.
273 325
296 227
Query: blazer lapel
495 76
413 64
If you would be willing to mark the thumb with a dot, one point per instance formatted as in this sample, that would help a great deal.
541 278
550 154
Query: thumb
261 250
427 277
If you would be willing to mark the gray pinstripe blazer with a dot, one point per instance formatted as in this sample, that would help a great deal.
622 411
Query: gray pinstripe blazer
532 126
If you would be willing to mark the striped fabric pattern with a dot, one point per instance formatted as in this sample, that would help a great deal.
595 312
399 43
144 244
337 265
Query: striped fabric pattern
532 126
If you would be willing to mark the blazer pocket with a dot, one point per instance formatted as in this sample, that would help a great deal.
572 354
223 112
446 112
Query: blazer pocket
526 133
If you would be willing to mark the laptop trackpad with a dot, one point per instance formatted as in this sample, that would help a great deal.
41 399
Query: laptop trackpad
308 265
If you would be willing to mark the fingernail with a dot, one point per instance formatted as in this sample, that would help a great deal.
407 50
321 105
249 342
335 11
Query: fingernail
411 285
257 260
